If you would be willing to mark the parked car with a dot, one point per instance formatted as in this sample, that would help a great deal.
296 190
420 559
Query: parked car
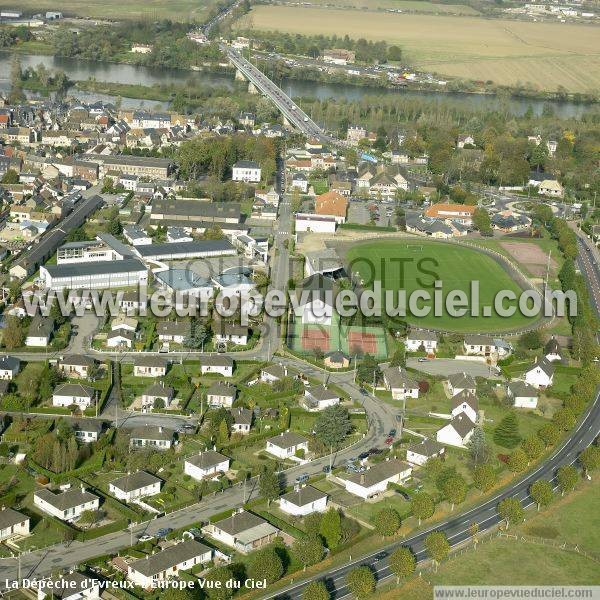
326 469
302 478
145 538
363 455
392 433
422 359
389 441
163 532
375 451
364 392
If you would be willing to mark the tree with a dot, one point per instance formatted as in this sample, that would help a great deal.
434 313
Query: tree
217 579
10 177
484 477
368 370
175 593
361 582
517 461
533 447
455 490
567 477
531 340
422 506
511 511
13 335
309 550
115 227
403 563
399 356
590 459
506 433
266 565
333 425
316 590
541 492
437 546
482 221
549 434
387 522
269 485
479 449
223 432
331 528
564 419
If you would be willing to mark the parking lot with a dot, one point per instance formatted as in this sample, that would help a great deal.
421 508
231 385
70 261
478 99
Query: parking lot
358 212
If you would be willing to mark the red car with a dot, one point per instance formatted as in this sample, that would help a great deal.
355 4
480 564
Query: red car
389 440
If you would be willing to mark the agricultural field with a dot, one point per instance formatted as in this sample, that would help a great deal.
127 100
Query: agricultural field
177 10
402 5
545 55
456 266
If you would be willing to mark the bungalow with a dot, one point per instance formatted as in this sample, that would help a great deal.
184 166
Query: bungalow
551 187
149 571
69 394
12 524
540 374
419 453
420 338
460 382
461 213
523 395
73 586
149 366
396 380
206 464
375 480
336 360
40 331
552 350
286 444
465 402
173 331
157 392
124 323
319 397
479 345
76 365
87 430
149 436
9 367
221 394
273 373
243 531
134 486
120 338
66 505
230 332
303 501
214 363
465 140
242 420
458 432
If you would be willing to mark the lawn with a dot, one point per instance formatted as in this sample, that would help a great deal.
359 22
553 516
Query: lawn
546 55
415 265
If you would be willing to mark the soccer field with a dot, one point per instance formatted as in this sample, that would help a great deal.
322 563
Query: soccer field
415 265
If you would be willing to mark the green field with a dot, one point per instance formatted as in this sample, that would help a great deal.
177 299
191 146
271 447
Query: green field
424 262
545 55
403 5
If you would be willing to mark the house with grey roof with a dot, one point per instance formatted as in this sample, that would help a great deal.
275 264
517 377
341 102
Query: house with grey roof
273 373
40 332
120 338
149 366
87 430
12 524
157 392
286 445
459 382
467 402
148 572
319 397
221 393
242 420
206 464
173 331
418 339
134 486
523 394
457 432
303 501
76 365
244 531
70 586
402 386
541 374
9 367
66 505
216 363
552 350
418 453
375 479
151 436
73 394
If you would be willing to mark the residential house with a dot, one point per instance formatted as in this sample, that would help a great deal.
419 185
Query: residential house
418 453
149 572
286 445
206 464
460 382
243 531
541 374
134 486
332 204
149 366
418 339
308 222
72 586
242 420
375 479
319 397
230 332
522 394
479 345
12 524
397 381
273 373
303 501
339 56
465 140
458 432
336 360
150 436
551 187
120 338
355 134
246 170
173 331
66 505
9 367
215 363
461 213
124 323
157 392
316 301
76 365
40 332
552 350
221 394
465 402
300 182
87 430
69 394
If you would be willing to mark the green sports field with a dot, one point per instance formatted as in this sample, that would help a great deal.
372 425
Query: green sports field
415 265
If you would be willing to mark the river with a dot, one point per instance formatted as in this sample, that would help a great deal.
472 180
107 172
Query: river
76 69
